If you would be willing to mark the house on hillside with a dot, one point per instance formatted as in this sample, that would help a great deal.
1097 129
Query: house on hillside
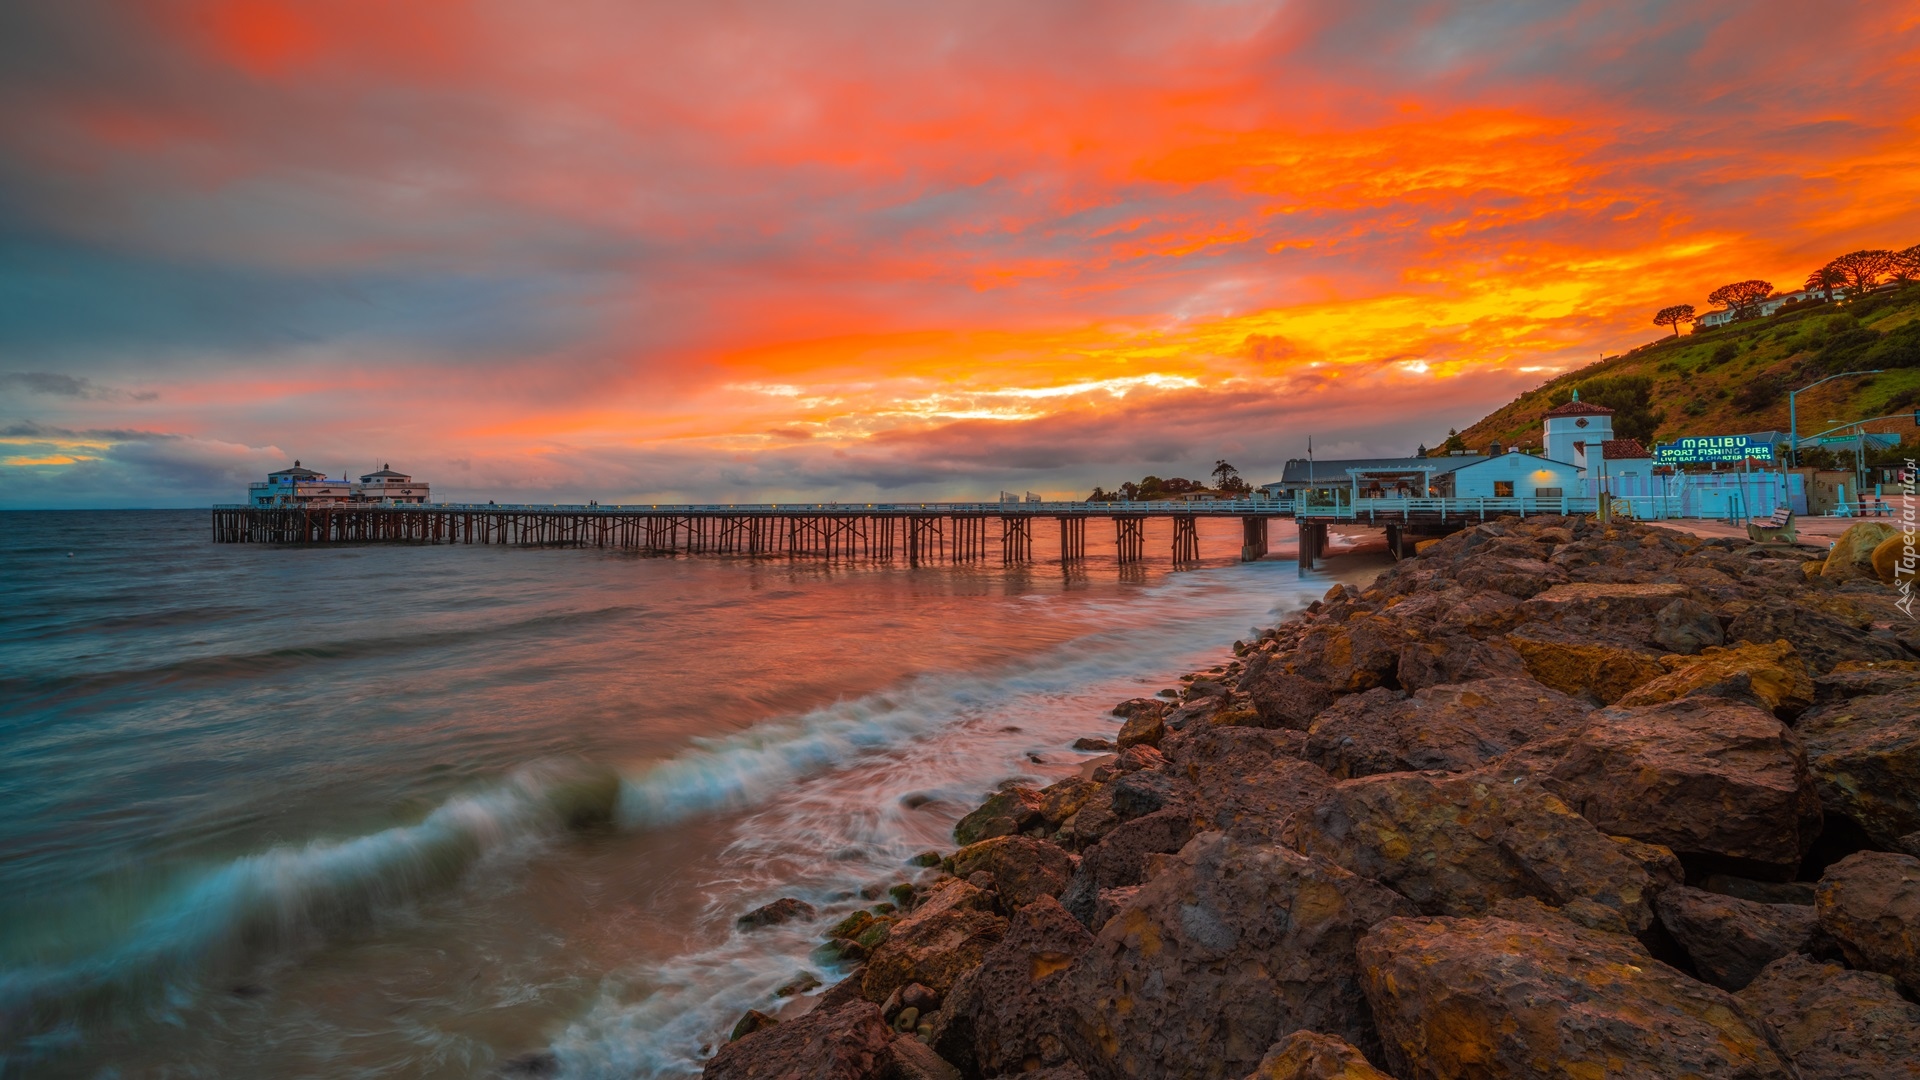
1767 307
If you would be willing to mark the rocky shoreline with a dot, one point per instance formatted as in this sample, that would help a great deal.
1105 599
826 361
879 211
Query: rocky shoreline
1552 798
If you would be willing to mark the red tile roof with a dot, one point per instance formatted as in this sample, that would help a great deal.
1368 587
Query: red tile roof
1580 408
1623 449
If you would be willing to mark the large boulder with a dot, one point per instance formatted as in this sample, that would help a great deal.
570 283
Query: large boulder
1355 655
1121 858
1492 998
1820 638
1060 801
1852 554
1835 1024
1865 756
1005 813
1458 845
1252 802
1728 939
1866 678
1309 1055
1517 577
847 1043
1005 1016
1703 776
1892 560
1686 627
1023 869
1870 903
1582 666
1770 674
1280 697
1229 950
1450 727
946 935
1628 613
1440 658
1145 729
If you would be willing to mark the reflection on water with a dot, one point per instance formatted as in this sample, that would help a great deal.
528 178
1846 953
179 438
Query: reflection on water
414 811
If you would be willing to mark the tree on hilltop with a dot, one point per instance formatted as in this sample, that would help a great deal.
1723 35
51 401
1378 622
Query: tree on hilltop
1822 281
1861 270
1454 442
1673 316
1906 264
1742 297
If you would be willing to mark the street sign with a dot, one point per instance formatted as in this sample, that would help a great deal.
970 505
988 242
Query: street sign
1703 448
1827 439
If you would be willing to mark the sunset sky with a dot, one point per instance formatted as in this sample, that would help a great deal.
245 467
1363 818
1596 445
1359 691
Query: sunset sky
735 251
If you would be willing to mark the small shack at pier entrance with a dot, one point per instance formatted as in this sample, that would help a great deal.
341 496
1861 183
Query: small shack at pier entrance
1516 475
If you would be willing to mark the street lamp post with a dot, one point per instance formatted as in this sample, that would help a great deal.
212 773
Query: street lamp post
1793 420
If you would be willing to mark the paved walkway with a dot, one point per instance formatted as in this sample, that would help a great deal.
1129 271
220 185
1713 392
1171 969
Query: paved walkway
1819 531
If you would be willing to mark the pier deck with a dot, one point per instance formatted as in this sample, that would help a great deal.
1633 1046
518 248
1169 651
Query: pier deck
918 532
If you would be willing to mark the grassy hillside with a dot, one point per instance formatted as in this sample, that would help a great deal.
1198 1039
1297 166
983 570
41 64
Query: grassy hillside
1735 379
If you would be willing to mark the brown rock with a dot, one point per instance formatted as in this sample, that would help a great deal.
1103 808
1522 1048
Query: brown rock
910 1059
1822 639
1451 727
1120 859
1627 612
784 910
1218 957
751 1021
1140 706
1519 578
1356 655
1886 559
1865 757
1699 775
947 934
1068 1071
1773 674
1456 845
1835 1024
1005 813
1686 627
1867 678
1870 903
1580 667
1005 1015
1852 555
847 1043
1730 940
1443 658
1309 1055
1492 998
1023 869
1147 728
1062 800
1253 801
1282 698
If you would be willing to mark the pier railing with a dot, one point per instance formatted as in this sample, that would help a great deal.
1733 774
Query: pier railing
1382 509
1158 508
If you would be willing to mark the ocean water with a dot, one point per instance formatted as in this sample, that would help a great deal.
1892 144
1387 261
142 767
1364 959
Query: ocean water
416 811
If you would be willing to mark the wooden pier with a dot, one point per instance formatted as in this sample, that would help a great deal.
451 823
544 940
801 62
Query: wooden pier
917 532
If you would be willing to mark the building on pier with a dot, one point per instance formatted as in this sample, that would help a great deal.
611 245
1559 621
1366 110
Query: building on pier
301 486
388 486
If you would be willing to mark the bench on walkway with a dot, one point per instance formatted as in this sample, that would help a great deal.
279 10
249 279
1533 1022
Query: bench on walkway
1776 529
